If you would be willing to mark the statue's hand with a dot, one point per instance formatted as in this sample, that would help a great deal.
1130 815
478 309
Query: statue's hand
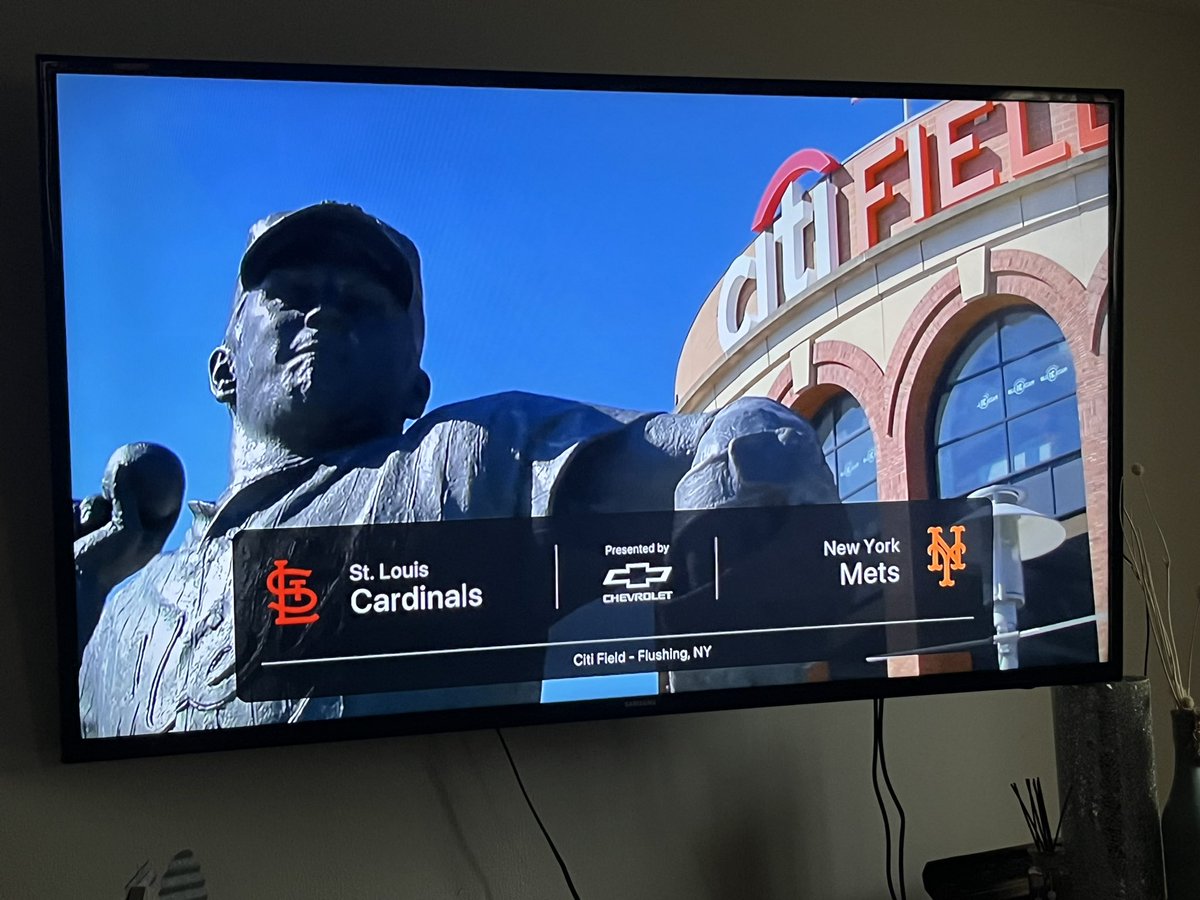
123 527
756 453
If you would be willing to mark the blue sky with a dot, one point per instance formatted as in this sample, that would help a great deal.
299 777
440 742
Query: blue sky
567 238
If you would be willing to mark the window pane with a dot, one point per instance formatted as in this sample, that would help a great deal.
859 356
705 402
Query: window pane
1039 491
1039 378
852 421
831 461
1027 330
1069 495
868 494
856 464
971 406
972 462
1046 434
980 354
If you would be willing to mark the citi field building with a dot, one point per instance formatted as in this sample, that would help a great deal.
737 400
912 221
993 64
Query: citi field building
936 305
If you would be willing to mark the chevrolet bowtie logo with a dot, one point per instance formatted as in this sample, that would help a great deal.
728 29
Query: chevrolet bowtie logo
635 576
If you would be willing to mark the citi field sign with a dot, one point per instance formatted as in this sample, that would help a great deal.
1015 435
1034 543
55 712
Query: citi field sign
950 154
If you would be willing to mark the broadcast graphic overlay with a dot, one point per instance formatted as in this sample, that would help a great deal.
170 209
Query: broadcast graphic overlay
389 607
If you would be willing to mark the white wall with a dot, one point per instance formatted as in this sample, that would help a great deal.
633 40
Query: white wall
773 803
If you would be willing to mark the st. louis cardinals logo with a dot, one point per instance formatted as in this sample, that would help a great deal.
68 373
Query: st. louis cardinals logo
294 601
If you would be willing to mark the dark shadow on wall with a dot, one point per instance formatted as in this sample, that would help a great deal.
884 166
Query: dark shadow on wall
755 805
28 640
441 768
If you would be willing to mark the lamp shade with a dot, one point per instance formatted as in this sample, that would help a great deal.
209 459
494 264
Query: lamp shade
1037 534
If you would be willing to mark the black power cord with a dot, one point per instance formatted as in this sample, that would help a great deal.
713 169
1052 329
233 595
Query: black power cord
878 767
887 823
553 849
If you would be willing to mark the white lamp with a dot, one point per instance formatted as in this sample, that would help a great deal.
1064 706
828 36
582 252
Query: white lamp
1018 534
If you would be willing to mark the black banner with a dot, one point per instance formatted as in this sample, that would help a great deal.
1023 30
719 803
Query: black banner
365 609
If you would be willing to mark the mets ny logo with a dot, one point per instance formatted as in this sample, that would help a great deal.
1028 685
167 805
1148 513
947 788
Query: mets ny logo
945 557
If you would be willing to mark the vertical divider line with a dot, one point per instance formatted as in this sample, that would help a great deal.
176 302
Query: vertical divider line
716 569
556 576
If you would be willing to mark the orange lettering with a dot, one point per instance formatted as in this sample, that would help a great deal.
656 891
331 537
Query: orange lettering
1025 160
1092 132
874 196
955 151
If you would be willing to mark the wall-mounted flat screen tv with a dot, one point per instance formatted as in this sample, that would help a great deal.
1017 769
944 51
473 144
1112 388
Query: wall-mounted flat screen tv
395 400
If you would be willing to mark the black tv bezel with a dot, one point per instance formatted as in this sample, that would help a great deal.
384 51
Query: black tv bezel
76 748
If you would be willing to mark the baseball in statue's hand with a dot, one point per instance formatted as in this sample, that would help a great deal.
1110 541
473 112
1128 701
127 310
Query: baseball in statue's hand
756 453
123 527
769 461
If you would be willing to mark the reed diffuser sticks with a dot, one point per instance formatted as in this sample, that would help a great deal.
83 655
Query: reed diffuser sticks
1037 819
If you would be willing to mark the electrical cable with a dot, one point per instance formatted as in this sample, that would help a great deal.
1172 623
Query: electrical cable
887 823
546 834
887 779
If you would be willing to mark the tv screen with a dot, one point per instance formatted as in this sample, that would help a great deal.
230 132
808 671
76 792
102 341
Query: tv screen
406 400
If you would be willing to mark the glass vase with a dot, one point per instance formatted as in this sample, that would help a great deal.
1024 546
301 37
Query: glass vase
1181 815
1105 753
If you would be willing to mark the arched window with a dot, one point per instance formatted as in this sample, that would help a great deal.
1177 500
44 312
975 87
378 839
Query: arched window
1006 412
849 447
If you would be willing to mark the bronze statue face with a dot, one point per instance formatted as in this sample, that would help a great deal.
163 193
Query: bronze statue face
321 356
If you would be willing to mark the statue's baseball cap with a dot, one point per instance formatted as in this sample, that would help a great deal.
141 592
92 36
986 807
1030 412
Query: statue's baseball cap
341 231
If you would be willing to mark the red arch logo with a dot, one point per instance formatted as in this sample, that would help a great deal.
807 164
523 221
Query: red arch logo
799 163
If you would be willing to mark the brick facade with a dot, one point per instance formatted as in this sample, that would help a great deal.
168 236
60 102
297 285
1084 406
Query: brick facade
898 399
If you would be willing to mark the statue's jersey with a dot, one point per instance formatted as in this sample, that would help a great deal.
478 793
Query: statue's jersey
162 658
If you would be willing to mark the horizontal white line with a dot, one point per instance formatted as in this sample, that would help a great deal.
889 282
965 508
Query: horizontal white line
1046 629
1007 637
615 640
